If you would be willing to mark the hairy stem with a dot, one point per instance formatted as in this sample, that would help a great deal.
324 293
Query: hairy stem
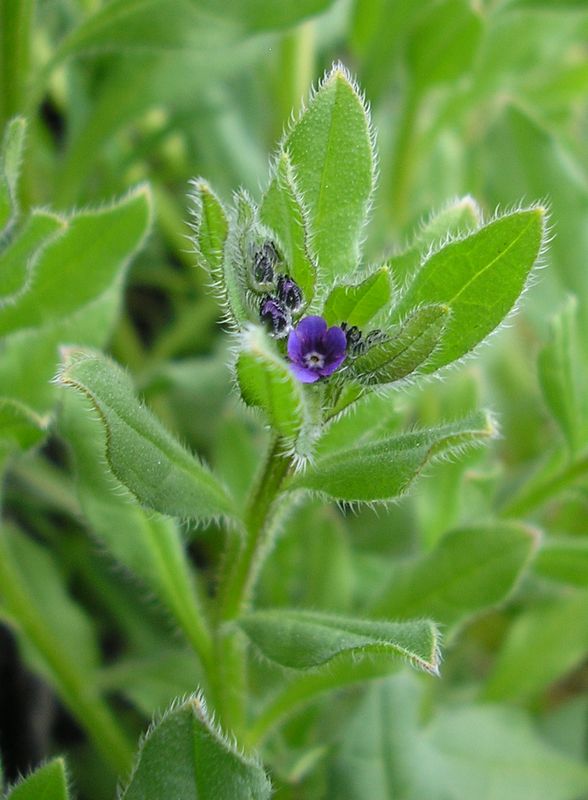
243 561
246 563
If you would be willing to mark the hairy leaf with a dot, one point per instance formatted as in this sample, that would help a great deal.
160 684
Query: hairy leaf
147 459
407 348
456 219
331 151
70 273
267 382
185 755
385 469
147 544
48 782
211 228
479 278
283 211
307 639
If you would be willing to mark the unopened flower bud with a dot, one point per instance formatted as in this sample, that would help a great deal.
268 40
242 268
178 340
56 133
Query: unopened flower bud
289 293
274 315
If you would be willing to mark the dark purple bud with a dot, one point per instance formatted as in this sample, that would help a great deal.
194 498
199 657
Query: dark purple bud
264 260
274 315
314 350
289 292
353 334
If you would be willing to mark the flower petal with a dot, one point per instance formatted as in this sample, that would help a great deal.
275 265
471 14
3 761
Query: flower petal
335 343
331 365
311 329
304 374
295 346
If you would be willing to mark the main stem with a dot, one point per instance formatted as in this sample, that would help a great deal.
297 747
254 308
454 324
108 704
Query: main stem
241 574
244 558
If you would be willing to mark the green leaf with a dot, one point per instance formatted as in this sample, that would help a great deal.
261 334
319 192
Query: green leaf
32 567
456 219
562 381
564 559
139 25
443 45
308 639
283 210
147 544
330 147
185 755
407 348
543 645
312 563
358 304
19 260
479 278
20 424
526 158
266 382
29 358
211 228
70 273
10 158
244 235
49 782
385 469
464 751
141 453
470 570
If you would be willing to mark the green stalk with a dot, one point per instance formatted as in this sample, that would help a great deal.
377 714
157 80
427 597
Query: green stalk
245 567
16 17
243 561
77 693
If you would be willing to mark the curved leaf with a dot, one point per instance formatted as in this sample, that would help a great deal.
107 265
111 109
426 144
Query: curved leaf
385 469
308 639
142 454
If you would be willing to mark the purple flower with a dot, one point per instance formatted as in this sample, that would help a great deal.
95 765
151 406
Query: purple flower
273 313
314 351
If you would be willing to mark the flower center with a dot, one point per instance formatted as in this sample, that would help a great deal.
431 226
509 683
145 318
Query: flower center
314 360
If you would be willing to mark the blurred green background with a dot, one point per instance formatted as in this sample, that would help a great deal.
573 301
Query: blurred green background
488 98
